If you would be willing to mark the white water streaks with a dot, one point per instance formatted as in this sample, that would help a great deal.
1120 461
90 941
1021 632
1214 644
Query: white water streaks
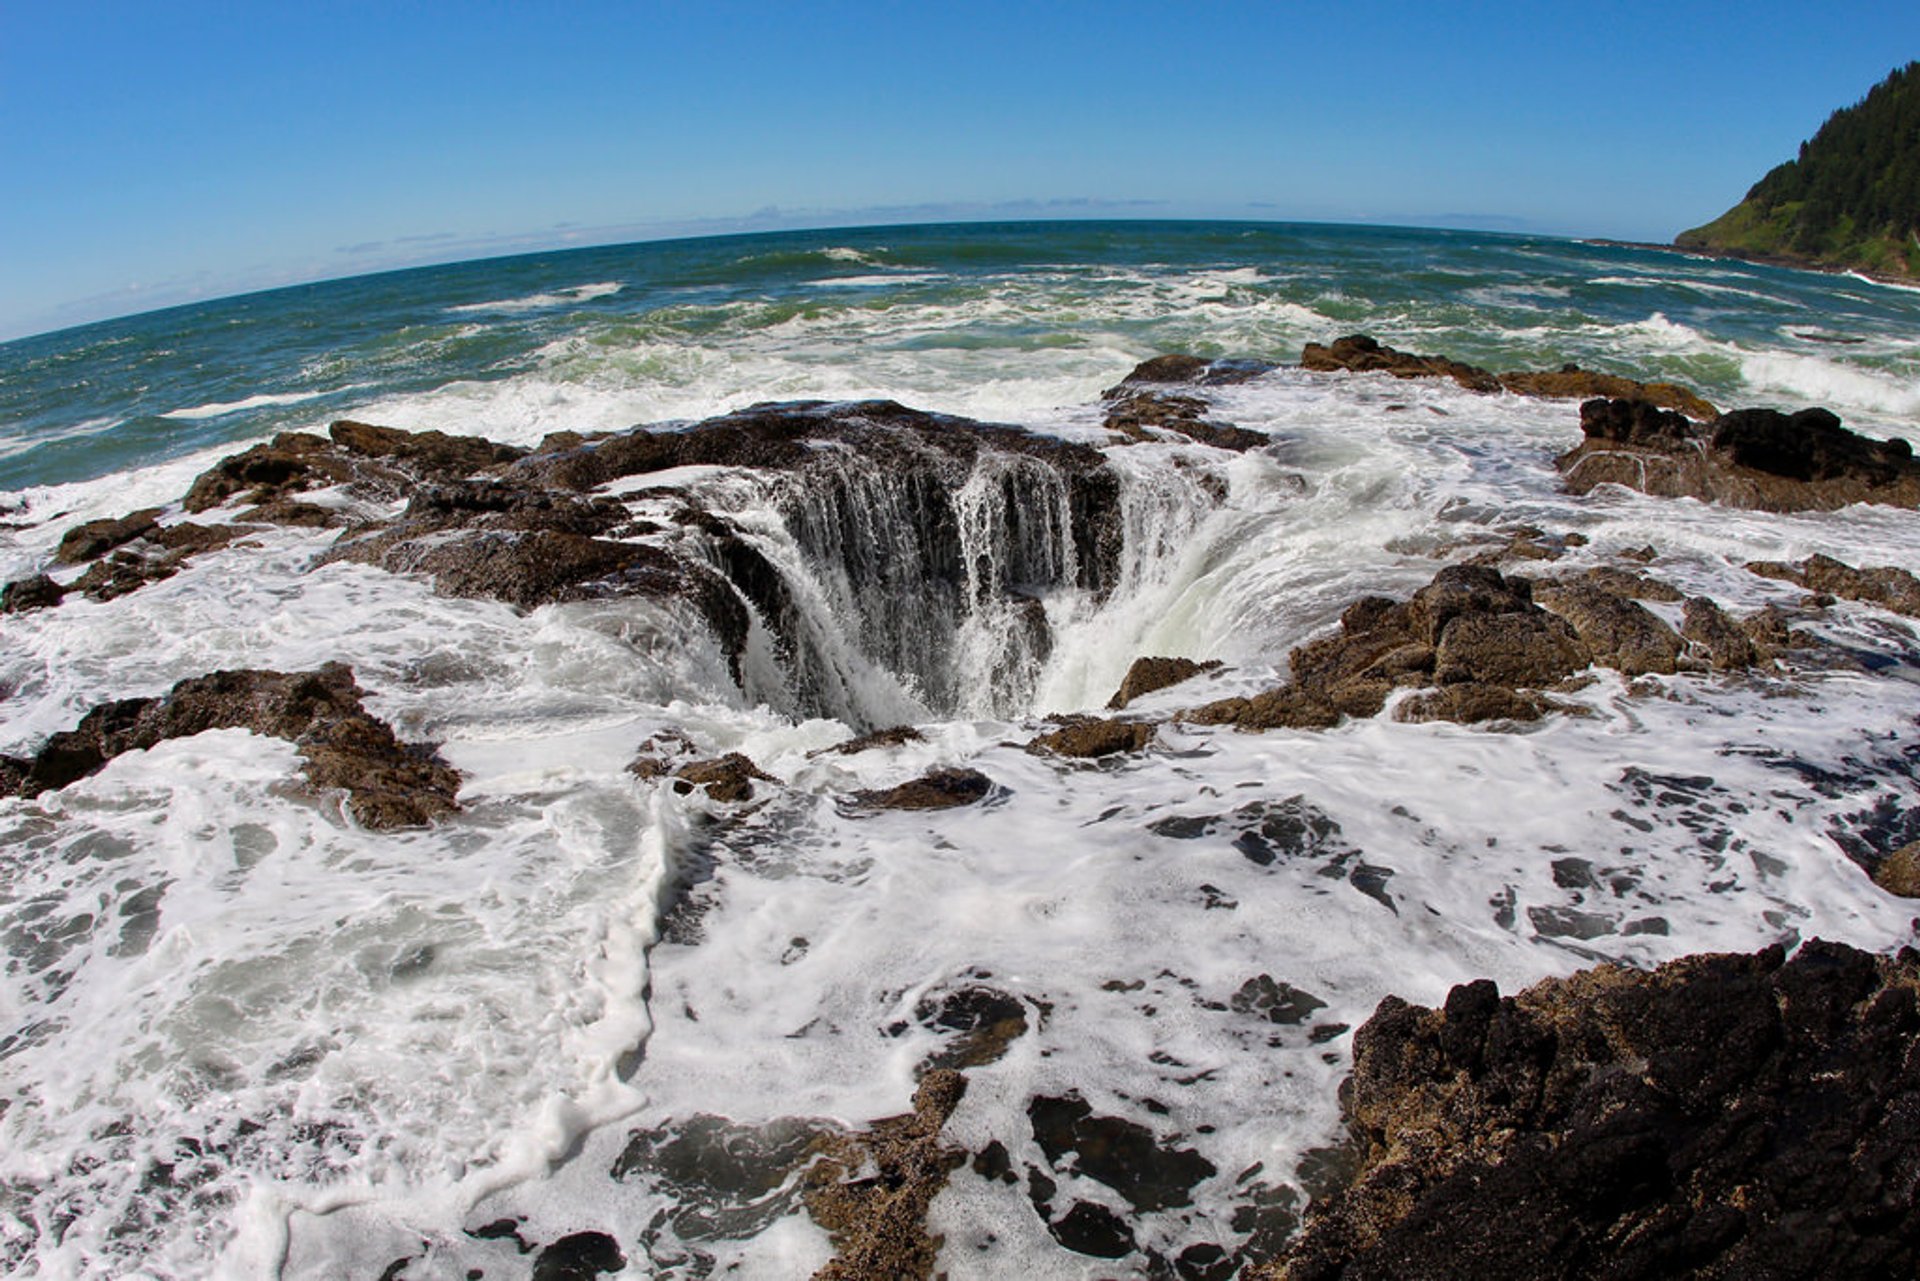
542 301
219 409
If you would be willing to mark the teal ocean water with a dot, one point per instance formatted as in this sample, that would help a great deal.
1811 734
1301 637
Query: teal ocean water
589 1017
988 318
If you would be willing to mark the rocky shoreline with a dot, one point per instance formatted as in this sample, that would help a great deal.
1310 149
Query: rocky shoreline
1716 1116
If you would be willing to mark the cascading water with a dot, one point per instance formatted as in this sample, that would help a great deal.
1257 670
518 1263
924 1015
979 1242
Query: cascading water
920 586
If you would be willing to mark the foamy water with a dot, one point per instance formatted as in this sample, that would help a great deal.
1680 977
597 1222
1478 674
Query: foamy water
239 1035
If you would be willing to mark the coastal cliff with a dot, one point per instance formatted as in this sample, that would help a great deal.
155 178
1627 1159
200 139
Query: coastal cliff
1850 200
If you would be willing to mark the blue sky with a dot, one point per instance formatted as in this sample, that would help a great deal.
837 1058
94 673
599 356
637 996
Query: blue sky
159 152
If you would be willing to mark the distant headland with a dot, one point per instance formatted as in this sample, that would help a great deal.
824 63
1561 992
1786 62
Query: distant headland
1849 202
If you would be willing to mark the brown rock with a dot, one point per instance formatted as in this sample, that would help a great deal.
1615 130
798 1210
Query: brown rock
388 784
1462 589
892 736
1570 382
1726 646
870 1191
1899 872
96 538
1150 675
726 778
1619 633
1360 354
1472 703
1138 415
1631 583
936 790
1511 649
1089 737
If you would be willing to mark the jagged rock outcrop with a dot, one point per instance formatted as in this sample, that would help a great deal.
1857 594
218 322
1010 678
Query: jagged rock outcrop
379 460
1720 1116
1359 353
1479 646
1147 415
1887 586
1150 675
1751 458
388 784
1469 627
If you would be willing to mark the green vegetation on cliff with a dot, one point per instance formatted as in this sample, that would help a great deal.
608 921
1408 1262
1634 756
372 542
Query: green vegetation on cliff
1851 199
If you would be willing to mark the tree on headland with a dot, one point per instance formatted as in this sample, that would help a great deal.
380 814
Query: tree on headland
1851 198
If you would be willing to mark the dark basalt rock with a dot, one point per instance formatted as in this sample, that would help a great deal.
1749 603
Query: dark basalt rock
1751 458
1359 353
388 784
579 1257
1721 1116
1175 368
936 790
37 592
1151 1173
878 1222
1150 675
1088 737
1139 415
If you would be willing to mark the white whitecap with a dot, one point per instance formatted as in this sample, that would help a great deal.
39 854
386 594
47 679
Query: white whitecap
220 408
539 302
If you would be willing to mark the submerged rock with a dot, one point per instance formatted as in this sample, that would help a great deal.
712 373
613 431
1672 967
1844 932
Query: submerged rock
1750 458
1720 1116
388 784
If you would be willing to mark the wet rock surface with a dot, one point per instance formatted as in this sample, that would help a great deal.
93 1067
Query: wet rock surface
1089 737
1359 353
1750 458
1477 646
388 784
936 790
1150 675
871 1190
1887 586
1722 1115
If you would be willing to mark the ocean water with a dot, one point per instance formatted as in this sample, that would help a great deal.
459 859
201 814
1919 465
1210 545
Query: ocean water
241 1036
